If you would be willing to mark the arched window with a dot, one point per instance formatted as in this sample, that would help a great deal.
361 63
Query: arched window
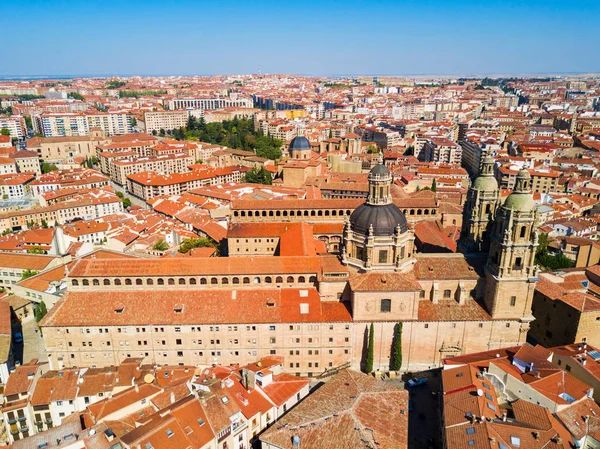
235 281
128 281
301 279
149 281
106 282
117 281
86 282
279 280
171 281
256 280
426 211
203 281
290 279
214 281
193 281
160 281
246 280
225 281
181 281
313 279
312 213
268 280
419 211
138 281
75 282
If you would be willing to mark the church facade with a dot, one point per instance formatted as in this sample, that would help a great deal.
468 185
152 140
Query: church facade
314 308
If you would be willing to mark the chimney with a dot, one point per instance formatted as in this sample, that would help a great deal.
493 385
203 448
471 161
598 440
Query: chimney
536 435
137 388
172 397
504 415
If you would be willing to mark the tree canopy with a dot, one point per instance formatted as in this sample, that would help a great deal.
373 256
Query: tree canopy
237 133
259 176
202 242
47 168
161 245
26 274
5 132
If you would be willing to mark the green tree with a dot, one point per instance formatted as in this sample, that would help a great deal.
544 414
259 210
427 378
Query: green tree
28 273
114 84
36 250
133 121
47 168
28 122
201 242
396 359
370 351
5 132
40 311
76 96
258 176
543 243
434 185
161 245
44 223
126 203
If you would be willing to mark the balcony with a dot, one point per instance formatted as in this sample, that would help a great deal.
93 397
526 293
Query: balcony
22 418
24 428
238 426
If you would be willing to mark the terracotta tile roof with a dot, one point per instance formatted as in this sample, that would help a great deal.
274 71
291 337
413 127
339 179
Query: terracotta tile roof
450 310
25 261
352 410
56 386
386 281
191 267
21 380
132 395
444 266
284 387
199 306
574 419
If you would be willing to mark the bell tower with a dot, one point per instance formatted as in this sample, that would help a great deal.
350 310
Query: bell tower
480 210
510 271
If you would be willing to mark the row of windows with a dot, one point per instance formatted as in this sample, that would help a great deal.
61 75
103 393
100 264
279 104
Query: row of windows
203 281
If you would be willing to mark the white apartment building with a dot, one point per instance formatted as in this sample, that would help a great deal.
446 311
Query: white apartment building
15 124
167 120
80 123
208 103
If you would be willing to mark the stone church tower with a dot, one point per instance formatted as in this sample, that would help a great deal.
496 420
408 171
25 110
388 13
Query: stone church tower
480 210
376 237
510 271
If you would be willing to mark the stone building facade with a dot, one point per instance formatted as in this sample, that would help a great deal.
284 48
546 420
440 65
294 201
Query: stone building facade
313 308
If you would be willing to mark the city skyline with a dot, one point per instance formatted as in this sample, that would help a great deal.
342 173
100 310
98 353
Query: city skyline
317 39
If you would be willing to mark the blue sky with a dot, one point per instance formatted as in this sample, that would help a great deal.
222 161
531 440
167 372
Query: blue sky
51 37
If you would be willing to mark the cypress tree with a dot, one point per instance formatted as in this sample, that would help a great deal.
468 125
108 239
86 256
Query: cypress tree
370 351
396 359
434 185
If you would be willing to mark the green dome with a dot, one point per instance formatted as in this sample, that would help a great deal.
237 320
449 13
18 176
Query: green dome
522 202
485 183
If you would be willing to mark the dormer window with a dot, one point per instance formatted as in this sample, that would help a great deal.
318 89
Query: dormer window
119 308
